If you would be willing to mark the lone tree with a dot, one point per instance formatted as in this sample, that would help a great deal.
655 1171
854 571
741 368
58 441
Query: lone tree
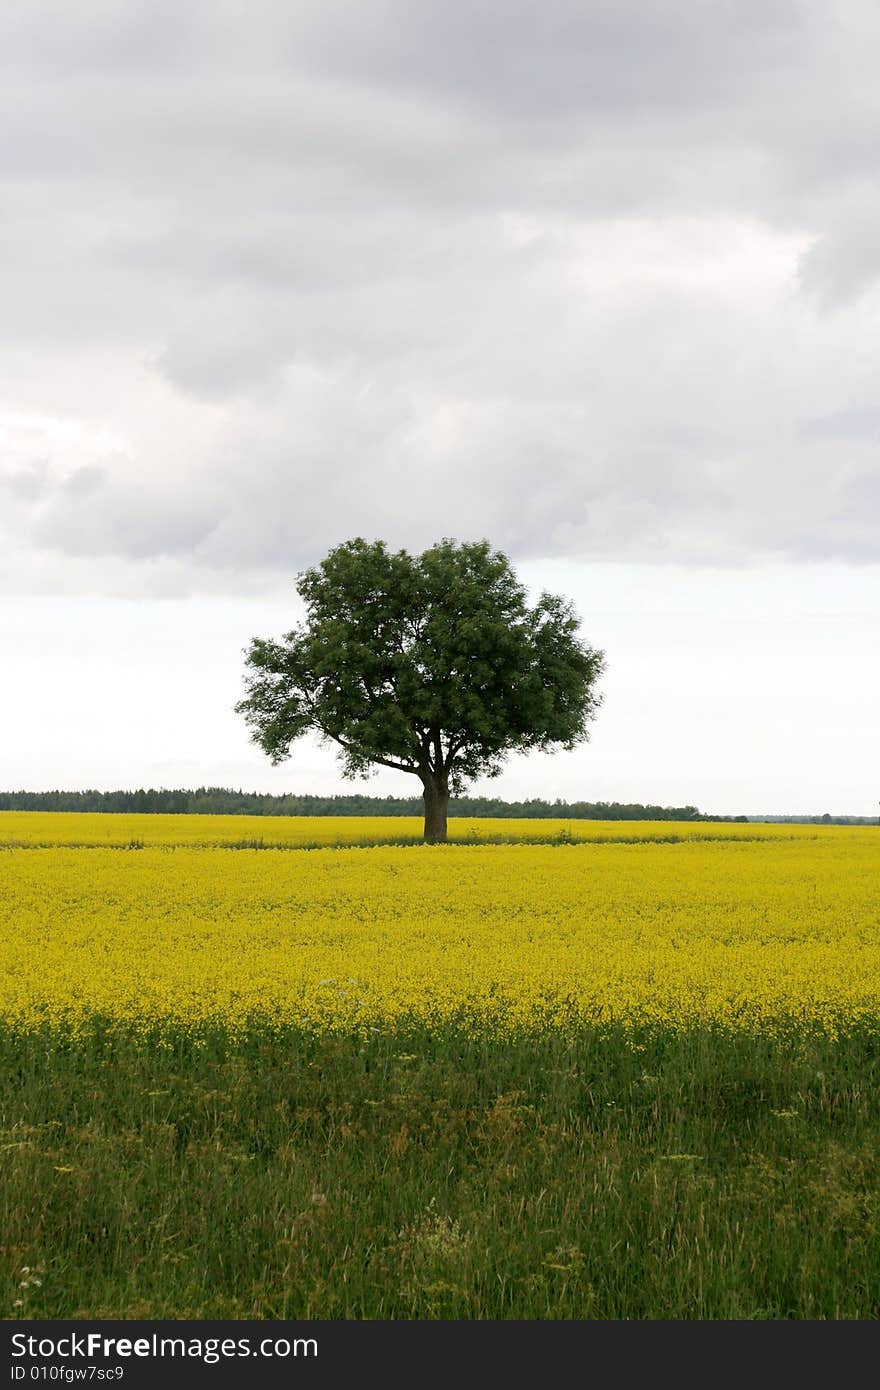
432 664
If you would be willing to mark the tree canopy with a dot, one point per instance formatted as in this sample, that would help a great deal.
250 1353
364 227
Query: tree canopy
432 664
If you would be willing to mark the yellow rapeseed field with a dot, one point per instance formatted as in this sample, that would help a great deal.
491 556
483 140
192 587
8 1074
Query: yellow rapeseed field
78 828
748 927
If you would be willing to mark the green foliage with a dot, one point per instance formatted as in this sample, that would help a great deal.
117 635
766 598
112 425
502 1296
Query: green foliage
228 801
431 664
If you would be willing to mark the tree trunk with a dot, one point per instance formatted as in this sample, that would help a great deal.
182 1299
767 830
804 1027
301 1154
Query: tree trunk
436 797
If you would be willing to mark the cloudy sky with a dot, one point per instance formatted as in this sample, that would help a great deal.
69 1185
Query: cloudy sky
596 279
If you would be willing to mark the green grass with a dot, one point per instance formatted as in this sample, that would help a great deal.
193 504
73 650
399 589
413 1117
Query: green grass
412 1176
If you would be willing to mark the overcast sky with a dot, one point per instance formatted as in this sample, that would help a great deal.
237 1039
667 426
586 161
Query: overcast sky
596 279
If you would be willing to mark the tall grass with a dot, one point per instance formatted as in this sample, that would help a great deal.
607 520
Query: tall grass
419 1175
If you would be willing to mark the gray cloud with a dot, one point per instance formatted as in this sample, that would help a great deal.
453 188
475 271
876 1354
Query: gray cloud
858 423
25 484
843 263
591 279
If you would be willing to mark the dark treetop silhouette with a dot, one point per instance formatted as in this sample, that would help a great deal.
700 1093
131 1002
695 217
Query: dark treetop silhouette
432 664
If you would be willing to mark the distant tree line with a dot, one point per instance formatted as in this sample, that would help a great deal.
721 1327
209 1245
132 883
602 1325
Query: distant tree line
825 819
226 801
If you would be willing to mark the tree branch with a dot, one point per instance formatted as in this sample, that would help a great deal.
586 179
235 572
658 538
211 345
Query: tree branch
343 743
454 747
386 762
438 750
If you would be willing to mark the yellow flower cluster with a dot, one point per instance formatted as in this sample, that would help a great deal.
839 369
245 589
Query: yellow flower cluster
78 828
771 932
